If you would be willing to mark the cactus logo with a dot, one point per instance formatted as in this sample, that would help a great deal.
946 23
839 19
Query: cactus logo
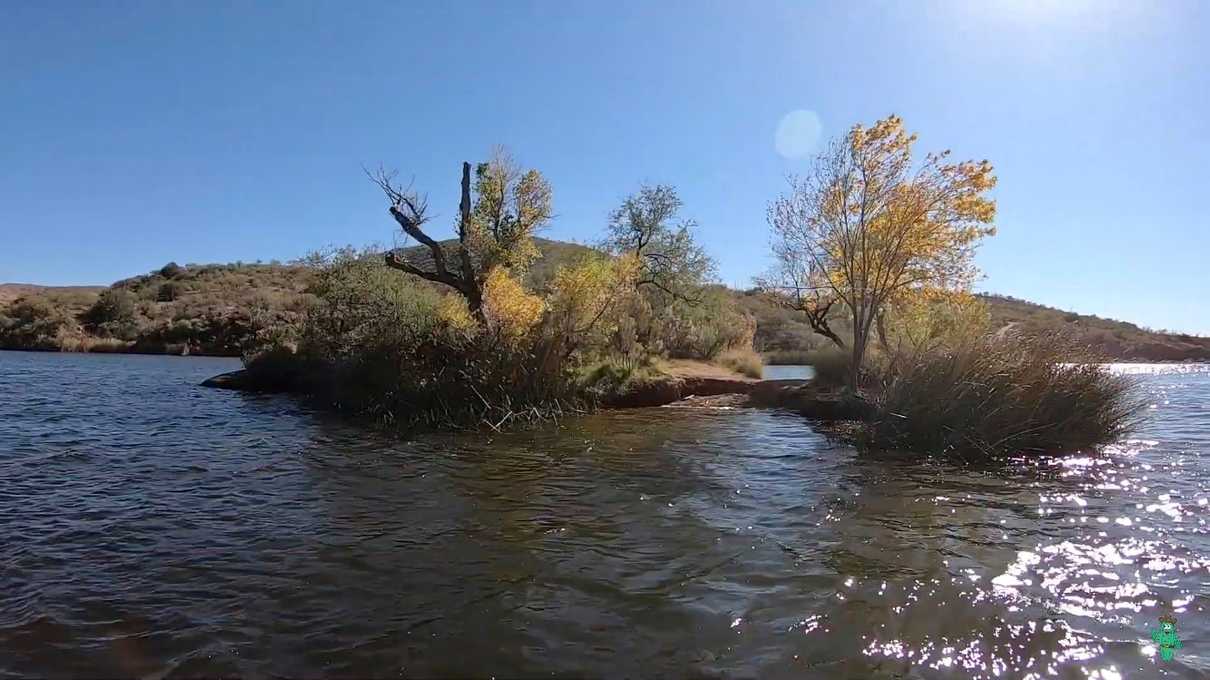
1165 637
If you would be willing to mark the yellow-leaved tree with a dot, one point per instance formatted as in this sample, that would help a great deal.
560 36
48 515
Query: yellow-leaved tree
588 298
868 224
510 311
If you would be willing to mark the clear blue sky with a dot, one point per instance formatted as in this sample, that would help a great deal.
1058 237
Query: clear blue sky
132 134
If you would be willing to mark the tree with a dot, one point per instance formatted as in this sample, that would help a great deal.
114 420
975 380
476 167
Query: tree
113 306
670 260
866 224
496 230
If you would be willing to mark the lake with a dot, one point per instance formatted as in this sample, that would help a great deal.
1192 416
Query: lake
154 528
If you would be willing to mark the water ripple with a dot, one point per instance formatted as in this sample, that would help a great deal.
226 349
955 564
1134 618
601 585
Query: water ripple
156 529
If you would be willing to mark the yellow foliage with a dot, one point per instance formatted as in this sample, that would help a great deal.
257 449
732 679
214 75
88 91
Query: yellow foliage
871 225
582 295
452 312
924 319
510 310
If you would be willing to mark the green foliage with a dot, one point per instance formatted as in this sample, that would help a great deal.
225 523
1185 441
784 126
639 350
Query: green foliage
701 328
113 315
171 270
113 305
359 302
993 396
510 205
205 309
646 225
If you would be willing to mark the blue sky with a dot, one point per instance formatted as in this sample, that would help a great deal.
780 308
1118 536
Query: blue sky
138 133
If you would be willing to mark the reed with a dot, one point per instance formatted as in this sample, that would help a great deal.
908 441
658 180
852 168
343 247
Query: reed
996 396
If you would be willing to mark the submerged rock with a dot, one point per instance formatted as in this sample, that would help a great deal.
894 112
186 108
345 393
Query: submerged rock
812 401
235 380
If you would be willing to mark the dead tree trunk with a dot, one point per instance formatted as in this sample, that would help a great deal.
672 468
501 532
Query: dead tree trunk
409 212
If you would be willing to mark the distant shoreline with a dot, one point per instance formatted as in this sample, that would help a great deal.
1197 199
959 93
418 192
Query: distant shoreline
203 355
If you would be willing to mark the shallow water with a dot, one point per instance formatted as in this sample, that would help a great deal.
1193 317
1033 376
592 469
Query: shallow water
155 528
787 372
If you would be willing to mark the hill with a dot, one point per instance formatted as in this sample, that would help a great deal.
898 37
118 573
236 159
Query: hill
1118 340
223 309
10 292
197 309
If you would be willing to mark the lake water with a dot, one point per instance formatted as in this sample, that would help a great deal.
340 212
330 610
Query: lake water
153 528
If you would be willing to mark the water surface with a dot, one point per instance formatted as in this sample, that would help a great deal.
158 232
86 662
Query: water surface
154 528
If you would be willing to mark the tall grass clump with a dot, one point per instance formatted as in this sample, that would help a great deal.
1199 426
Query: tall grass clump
831 366
991 396
742 360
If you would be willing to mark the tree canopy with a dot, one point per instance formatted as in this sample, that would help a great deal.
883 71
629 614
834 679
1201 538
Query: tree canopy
867 224
495 230
646 226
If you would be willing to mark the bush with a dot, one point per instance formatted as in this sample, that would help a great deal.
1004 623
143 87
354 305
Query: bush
168 291
831 365
112 313
171 270
33 323
380 345
995 396
700 328
743 361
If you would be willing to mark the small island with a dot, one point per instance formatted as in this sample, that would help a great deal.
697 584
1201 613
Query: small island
872 286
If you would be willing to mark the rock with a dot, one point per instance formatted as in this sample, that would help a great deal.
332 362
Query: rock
235 380
670 389
811 401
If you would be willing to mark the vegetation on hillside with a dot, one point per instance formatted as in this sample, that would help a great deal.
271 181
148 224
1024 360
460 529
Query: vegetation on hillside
1106 339
195 309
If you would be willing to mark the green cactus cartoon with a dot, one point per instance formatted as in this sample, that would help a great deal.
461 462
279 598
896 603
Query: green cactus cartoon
1165 637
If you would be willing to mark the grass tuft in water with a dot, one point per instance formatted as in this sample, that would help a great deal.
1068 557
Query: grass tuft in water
995 396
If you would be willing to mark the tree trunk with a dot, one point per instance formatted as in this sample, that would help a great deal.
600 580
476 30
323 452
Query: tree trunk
861 340
855 361
470 289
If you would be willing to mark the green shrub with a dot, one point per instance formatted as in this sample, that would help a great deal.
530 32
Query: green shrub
700 328
742 361
113 312
993 396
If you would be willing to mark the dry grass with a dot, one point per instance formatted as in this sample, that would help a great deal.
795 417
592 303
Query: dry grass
741 360
996 396
831 366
